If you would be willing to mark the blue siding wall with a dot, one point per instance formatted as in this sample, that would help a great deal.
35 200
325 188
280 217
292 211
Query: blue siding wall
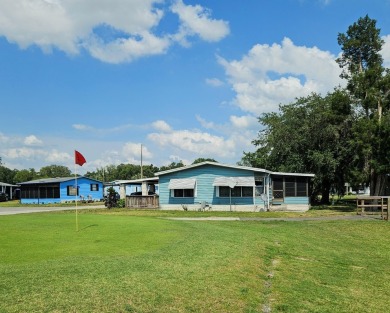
84 185
205 191
296 200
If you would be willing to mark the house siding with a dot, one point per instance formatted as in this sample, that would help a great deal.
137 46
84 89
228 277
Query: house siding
83 183
205 191
206 173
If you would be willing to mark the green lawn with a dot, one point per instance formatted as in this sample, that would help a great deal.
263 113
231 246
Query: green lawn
125 262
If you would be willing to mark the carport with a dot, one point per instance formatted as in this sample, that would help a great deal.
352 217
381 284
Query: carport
7 189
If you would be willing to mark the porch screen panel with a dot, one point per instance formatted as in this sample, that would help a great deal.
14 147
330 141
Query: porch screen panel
302 187
278 190
290 187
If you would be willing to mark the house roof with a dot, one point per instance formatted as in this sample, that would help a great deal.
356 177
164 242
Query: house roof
54 180
247 168
7 185
132 181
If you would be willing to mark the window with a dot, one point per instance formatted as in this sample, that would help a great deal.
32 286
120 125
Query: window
72 191
247 191
94 187
182 187
259 186
40 192
238 191
224 192
183 193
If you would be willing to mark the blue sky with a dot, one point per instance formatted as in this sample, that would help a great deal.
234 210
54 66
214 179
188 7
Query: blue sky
186 79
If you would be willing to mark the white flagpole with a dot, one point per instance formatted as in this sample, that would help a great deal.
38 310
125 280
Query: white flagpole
75 177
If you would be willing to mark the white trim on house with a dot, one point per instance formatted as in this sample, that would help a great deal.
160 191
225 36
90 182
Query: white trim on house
234 181
253 169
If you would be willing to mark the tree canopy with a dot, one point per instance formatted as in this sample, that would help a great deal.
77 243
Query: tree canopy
342 136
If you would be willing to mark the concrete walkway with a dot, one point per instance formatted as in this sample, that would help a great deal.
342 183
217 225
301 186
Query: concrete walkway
291 219
23 210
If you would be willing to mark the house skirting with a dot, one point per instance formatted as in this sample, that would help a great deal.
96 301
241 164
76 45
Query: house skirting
236 208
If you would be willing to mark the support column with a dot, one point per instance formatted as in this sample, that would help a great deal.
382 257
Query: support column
122 191
144 188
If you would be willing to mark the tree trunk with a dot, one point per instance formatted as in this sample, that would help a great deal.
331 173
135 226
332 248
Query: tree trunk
377 184
325 193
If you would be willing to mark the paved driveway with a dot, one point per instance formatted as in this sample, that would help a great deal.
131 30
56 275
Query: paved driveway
23 210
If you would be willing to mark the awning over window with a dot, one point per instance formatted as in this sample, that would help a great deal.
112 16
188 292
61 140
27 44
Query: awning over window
183 183
234 181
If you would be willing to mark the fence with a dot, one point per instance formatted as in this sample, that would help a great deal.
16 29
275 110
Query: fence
146 202
373 205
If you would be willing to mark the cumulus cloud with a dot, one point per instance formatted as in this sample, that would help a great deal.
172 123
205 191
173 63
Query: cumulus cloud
57 157
3 138
269 75
132 151
195 142
82 127
214 82
386 51
24 152
112 31
161 126
196 20
32 141
244 122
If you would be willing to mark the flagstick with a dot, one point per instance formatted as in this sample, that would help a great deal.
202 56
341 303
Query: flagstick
75 176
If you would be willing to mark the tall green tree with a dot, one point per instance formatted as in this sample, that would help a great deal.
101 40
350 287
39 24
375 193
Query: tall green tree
200 160
368 83
310 135
25 175
53 171
7 175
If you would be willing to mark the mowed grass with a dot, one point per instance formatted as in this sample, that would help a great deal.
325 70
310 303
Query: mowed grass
127 263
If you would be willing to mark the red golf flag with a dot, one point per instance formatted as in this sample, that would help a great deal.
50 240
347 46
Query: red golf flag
79 158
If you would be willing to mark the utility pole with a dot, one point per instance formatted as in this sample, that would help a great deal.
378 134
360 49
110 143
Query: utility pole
142 176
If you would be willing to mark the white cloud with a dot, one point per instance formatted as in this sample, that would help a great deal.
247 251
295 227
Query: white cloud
244 122
205 124
3 138
162 126
196 20
82 127
132 151
26 153
214 82
126 49
386 51
269 75
57 157
32 141
195 142
112 31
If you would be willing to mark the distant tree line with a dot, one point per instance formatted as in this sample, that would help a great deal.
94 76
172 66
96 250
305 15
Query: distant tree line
342 136
105 174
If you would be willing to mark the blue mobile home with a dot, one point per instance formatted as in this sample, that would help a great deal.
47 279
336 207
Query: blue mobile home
232 188
63 189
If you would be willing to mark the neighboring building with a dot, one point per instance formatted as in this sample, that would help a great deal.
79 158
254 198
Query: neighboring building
63 189
232 188
9 190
